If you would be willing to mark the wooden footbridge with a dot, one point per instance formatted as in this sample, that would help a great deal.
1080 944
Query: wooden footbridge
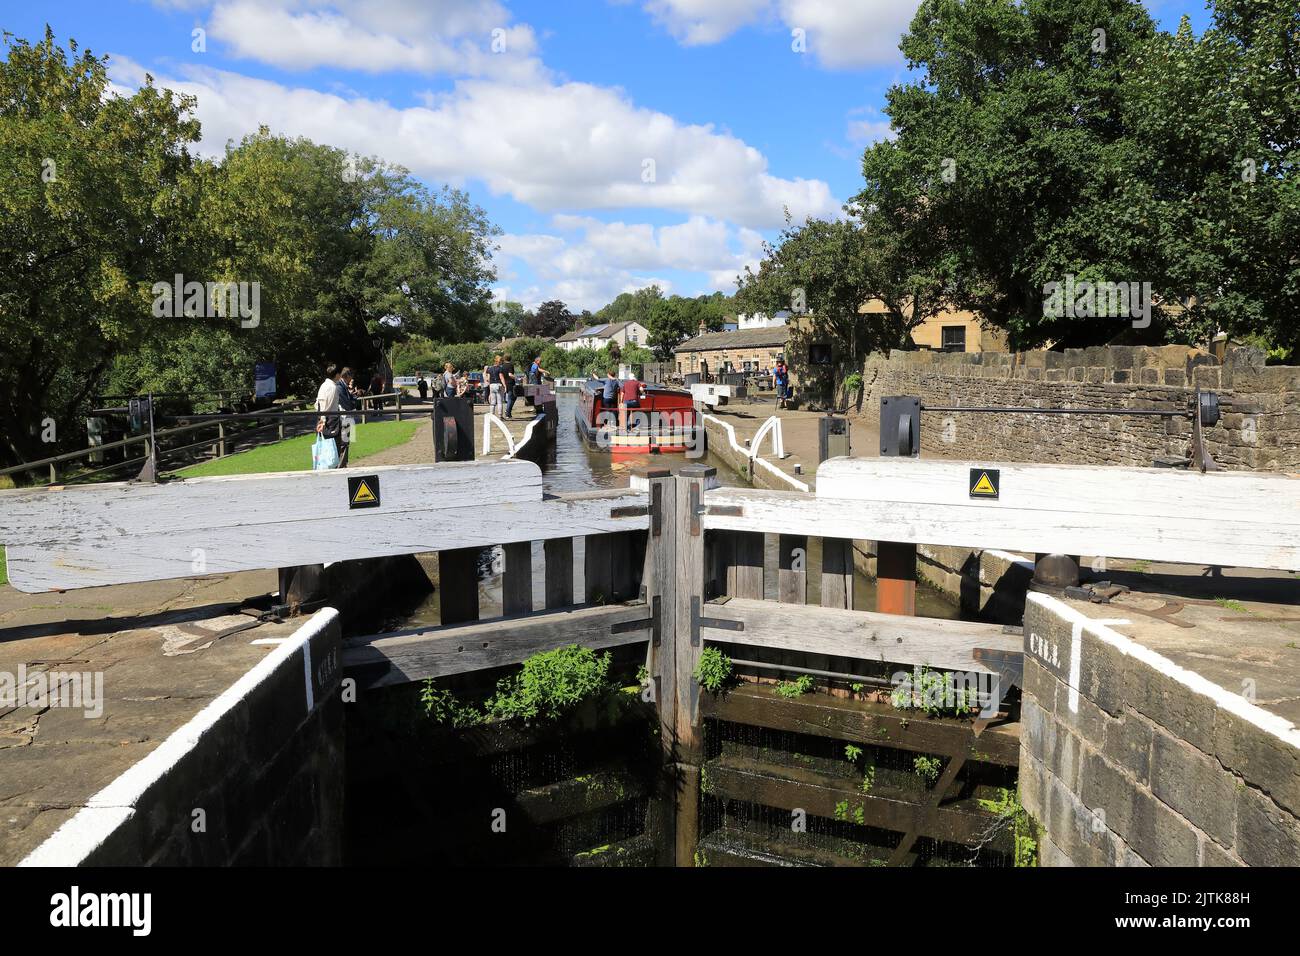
678 567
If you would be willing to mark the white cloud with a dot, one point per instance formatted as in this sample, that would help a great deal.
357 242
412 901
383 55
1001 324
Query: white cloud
841 34
552 146
705 21
590 261
459 37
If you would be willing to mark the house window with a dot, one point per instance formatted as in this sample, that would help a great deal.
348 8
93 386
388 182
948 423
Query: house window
954 338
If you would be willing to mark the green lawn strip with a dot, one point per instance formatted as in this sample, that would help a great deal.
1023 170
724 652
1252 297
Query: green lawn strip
4 570
294 454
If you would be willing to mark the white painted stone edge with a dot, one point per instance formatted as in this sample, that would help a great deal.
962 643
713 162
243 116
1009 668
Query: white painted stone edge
1235 704
740 449
108 809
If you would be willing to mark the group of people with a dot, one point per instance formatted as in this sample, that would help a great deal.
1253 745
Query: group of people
339 394
625 392
446 384
498 378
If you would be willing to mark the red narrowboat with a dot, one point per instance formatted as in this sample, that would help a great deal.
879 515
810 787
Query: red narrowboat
664 421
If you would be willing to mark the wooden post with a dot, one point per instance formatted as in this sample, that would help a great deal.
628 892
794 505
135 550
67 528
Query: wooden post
688 606
599 571
661 655
559 572
745 568
517 582
895 577
837 573
221 440
399 404
54 473
792 573
458 584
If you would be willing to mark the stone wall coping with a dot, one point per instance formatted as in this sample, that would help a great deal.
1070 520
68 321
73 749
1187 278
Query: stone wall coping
1235 704
108 809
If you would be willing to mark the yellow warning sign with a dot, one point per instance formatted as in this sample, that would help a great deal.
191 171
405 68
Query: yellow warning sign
984 482
363 491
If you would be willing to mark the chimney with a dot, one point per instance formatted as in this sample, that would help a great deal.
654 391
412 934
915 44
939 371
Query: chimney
703 328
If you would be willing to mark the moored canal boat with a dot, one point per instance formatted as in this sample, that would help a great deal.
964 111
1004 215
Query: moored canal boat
665 421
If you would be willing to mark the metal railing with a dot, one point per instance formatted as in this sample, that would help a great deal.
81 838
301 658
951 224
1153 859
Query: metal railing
189 423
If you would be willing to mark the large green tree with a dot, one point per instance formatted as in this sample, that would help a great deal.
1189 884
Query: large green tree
98 200
675 319
1052 138
102 205
1215 125
551 320
1009 150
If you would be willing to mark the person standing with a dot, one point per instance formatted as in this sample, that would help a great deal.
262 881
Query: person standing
327 400
348 403
629 397
496 395
448 381
535 371
609 391
782 377
423 387
508 380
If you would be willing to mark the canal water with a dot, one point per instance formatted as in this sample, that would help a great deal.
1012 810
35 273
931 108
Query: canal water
578 467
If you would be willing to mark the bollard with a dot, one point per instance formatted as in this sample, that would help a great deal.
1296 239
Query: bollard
896 560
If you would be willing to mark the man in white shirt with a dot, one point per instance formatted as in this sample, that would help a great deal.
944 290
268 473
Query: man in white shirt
327 400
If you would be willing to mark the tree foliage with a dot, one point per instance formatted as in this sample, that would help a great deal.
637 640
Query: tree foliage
98 196
103 199
551 320
675 319
1047 138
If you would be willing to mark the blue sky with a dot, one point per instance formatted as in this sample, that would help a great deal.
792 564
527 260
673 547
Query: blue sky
617 144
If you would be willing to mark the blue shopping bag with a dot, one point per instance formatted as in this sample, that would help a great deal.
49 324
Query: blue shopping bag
324 454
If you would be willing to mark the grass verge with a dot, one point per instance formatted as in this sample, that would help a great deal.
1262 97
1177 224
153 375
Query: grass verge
294 454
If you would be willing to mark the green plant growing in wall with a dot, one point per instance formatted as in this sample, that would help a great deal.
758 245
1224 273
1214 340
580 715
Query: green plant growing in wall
936 693
927 768
1008 808
550 684
790 689
852 752
445 708
868 779
713 671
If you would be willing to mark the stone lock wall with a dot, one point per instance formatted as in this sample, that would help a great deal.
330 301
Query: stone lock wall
263 762
1127 759
1259 430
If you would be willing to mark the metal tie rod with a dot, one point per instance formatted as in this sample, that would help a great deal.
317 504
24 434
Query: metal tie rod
1029 410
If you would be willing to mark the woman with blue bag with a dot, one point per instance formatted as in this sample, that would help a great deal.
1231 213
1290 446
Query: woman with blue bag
325 452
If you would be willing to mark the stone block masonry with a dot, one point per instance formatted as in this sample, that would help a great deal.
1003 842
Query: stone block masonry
255 778
1127 759
1259 430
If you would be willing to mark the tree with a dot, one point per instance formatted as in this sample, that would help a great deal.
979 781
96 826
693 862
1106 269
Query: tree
551 320
827 271
99 195
1008 152
673 320
507 319
1215 126
632 306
